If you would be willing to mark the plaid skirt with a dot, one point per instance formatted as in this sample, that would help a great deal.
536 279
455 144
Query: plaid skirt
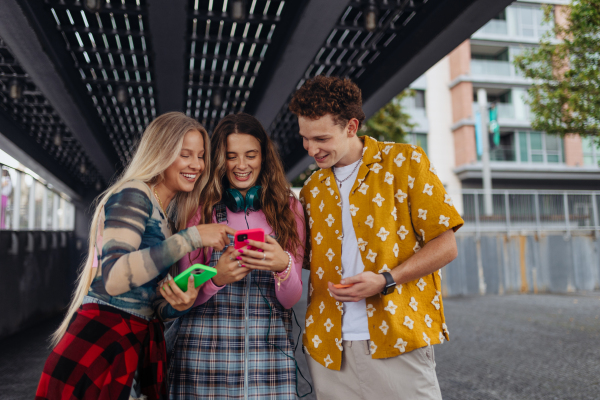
98 356
222 350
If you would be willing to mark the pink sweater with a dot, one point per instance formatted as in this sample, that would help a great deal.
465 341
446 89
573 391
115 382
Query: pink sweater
291 289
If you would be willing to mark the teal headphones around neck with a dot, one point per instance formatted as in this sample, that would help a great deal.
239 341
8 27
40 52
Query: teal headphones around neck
235 202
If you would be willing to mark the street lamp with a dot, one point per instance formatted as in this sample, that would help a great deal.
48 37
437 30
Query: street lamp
371 16
217 98
15 89
238 10
57 140
122 95
93 5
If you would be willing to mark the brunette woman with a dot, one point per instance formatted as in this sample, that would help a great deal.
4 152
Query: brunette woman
237 341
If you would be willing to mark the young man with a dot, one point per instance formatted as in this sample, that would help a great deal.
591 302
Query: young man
380 221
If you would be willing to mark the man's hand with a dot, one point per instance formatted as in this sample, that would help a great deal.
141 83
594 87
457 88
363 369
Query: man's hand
365 284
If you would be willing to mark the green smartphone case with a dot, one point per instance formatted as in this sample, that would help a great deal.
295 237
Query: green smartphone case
199 278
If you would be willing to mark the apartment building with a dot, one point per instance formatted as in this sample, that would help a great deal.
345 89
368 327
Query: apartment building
445 105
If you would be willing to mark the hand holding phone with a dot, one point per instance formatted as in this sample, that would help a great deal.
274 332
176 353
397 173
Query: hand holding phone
201 273
340 286
240 237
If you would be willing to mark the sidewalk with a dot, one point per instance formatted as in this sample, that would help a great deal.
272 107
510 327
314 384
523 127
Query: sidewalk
511 347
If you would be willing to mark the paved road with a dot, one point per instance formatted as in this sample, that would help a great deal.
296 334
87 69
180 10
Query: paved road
503 347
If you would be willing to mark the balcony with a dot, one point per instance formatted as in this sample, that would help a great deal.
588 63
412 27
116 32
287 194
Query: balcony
503 153
493 68
511 115
524 23
494 27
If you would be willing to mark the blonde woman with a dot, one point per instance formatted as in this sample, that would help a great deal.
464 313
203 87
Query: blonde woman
110 333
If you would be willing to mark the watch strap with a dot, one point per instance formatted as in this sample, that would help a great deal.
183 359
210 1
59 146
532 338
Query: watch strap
390 283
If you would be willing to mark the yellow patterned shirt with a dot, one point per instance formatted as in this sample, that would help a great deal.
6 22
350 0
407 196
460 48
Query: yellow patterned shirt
397 205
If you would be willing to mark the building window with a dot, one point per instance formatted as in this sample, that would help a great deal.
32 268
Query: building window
529 21
417 139
505 151
591 152
28 204
538 147
419 99
9 180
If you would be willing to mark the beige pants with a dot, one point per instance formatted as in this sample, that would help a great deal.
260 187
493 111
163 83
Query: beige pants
410 376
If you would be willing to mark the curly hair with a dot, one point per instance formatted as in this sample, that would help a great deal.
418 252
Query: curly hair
329 95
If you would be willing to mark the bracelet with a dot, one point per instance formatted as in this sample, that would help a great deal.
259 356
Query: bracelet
286 271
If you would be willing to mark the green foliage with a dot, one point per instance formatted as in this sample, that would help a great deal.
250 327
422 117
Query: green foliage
565 95
390 123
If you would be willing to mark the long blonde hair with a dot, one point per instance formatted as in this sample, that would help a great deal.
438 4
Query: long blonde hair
158 148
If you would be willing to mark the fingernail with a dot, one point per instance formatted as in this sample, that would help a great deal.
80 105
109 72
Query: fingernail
246 241
241 251
259 250
243 265
238 258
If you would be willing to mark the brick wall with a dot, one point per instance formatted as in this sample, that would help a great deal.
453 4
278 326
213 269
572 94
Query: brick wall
462 105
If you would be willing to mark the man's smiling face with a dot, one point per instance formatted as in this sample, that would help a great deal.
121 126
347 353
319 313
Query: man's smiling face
327 142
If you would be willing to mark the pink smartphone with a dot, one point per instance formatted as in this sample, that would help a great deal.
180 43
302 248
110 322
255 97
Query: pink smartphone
257 234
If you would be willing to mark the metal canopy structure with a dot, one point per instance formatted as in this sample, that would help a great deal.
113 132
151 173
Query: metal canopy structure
80 79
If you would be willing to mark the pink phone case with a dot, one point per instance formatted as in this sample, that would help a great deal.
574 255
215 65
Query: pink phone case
257 234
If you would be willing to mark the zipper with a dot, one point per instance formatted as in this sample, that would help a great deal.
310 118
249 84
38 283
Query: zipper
246 340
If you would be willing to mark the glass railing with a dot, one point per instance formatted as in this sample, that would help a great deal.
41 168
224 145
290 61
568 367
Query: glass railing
491 68
510 111
494 27
503 153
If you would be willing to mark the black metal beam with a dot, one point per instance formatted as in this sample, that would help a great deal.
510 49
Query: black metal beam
10 130
313 25
432 33
168 22
28 30
431 38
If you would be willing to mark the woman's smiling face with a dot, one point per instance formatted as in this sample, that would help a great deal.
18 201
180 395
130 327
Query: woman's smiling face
243 161
181 176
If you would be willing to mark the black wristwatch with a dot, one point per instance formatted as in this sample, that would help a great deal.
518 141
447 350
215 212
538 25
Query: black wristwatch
390 284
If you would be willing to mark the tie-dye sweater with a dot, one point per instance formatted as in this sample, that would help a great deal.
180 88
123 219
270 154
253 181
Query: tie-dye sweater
136 248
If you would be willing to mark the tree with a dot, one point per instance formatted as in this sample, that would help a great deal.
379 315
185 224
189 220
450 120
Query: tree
565 68
390 123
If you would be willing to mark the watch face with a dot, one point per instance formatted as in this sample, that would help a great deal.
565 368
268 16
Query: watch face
389 289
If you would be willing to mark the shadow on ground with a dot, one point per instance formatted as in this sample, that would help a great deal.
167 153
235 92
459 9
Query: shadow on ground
502 347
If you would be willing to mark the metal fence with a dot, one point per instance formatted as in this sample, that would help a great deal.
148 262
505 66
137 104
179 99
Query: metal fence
532 210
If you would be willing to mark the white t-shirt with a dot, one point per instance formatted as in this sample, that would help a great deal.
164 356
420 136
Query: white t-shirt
355 325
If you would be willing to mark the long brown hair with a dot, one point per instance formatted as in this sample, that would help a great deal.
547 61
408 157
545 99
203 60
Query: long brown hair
158 148
276 192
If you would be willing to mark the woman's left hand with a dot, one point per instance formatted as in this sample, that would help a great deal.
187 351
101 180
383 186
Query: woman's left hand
176 297
270 258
